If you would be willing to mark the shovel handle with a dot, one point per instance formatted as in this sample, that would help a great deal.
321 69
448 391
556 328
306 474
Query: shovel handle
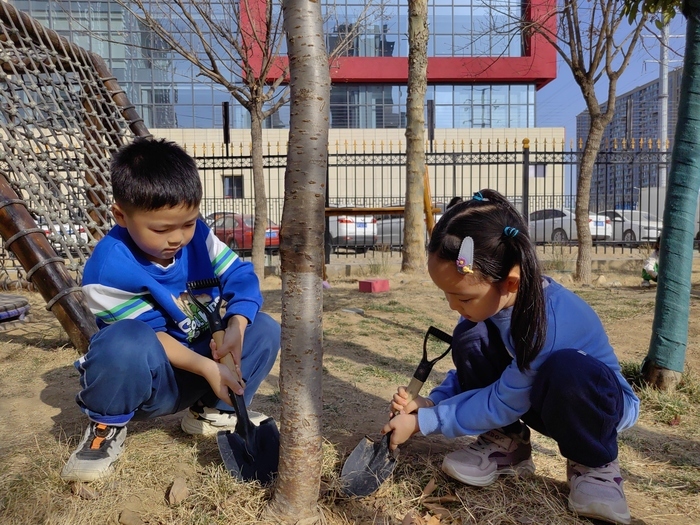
237 400
218 338
413 389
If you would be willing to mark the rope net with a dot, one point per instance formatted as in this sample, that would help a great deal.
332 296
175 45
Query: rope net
62 115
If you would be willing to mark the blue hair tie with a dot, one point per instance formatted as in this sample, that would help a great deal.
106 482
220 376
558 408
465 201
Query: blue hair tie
478 196
509 231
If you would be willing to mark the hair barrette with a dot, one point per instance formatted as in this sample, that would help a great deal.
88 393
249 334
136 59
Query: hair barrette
478 196
465 259
509 231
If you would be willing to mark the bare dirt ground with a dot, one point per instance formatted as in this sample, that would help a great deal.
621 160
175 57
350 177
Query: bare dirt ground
372 344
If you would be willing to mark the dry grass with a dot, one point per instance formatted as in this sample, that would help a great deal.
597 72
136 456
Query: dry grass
367 354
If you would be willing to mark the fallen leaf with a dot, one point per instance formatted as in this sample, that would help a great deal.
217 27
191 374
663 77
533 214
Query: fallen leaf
449 498
429 488
412 519
84 492
178 491
438 509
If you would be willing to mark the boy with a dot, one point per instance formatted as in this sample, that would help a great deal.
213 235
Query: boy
153 354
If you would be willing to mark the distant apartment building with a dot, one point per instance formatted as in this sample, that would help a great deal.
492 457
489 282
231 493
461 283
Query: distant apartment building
636 119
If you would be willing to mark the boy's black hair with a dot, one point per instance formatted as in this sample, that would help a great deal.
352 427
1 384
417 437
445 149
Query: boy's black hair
496 251
150 174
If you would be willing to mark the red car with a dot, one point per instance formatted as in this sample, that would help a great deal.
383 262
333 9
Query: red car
236 230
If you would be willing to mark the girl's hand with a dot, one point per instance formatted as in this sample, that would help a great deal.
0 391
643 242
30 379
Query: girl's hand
401 405
221 379
232 342
402 427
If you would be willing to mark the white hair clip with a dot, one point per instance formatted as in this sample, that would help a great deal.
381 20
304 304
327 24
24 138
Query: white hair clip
465 259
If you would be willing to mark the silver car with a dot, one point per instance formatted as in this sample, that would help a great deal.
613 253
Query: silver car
352 231
633 225
390 230
559 225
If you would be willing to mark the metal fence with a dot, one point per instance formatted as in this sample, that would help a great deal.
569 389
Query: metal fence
626 204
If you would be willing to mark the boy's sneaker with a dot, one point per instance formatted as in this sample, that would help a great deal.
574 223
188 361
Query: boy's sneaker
645 284
100 447
201 420
597 492
493 454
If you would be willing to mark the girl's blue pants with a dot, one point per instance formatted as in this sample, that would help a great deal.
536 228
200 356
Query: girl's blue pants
126 374
575 399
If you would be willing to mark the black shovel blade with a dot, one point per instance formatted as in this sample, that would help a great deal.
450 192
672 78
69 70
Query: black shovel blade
255 458
367 467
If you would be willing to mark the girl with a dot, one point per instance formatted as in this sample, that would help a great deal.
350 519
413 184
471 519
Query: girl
528 353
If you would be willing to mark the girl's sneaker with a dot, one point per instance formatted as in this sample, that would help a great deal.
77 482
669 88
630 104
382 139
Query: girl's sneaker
597 492
201 420
100 447
493 454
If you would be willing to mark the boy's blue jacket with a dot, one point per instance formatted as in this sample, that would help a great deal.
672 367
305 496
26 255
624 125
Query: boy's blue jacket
120 283
571 323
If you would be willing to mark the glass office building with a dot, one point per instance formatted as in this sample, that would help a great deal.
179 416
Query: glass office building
482 71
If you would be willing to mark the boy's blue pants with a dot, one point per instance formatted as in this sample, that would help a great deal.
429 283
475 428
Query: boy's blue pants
575 399
126 374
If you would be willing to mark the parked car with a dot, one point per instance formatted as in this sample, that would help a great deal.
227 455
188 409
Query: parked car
390 230
60 235
236 230
555 225
352 231
634 225
213 217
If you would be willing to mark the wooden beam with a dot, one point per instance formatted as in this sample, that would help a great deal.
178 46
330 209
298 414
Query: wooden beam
389 210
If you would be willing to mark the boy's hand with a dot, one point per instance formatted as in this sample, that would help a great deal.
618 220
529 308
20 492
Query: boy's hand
402 427
401 405
232 342
220 379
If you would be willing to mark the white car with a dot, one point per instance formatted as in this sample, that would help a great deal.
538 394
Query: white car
559 225
634 225
352 231
390 230
58 234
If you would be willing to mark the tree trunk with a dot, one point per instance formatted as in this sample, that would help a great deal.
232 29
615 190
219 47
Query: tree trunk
414 226
296 496
583 200
670 328
261 219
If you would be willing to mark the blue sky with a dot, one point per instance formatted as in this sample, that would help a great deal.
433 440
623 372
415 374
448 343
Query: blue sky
560 101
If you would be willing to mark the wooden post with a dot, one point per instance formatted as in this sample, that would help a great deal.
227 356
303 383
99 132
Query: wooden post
45 269
428 203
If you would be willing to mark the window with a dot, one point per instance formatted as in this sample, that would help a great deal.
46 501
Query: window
233 186
538 170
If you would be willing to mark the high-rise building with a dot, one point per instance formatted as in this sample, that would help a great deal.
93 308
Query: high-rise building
483 70
637 112
636 119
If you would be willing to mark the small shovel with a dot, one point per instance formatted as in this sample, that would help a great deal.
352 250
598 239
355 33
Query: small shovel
251 452
371 463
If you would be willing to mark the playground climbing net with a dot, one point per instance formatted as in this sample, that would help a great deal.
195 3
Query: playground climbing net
62 115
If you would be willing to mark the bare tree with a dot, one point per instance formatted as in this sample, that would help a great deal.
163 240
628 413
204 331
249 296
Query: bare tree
414 227
295 500
237 45
595 42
